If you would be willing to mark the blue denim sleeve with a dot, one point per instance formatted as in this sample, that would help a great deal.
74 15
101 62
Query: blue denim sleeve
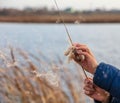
112 100
108 78
115 100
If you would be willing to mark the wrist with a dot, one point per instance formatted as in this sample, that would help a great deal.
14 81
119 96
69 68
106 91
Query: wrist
107 98
94 68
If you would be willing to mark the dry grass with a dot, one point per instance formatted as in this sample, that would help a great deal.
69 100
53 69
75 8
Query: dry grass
84 18
34 79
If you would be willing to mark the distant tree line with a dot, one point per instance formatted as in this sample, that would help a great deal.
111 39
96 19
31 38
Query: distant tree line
45 11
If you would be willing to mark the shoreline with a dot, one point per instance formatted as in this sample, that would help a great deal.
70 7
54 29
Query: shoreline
83 18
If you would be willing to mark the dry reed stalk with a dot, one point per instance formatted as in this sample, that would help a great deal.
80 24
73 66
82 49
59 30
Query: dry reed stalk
20 85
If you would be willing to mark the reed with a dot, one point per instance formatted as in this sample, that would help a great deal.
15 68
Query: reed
33 79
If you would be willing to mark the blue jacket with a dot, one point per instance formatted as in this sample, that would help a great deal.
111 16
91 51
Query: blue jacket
108 78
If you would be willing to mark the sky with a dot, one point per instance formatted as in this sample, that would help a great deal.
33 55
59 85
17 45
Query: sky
76 4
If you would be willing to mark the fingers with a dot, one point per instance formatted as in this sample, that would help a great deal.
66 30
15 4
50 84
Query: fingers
88 82
89 89
88 93
77 44
82 47
80 52
100 90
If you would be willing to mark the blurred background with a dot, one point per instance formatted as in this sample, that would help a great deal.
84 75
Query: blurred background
35 26
44 11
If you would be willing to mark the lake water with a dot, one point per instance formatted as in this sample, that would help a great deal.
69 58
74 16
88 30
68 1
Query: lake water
103 39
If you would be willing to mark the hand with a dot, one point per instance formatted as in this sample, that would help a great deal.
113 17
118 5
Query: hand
89 63
95 92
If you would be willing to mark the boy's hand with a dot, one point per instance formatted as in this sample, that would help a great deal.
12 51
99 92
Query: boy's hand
95 92
89 63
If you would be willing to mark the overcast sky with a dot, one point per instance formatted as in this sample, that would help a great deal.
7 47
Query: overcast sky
77 4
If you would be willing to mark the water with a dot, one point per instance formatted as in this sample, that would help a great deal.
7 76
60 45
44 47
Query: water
103 39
